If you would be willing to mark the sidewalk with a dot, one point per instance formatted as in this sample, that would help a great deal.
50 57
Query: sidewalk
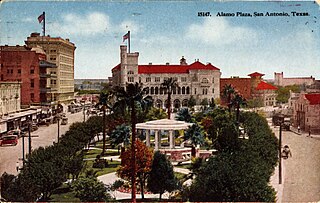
274 182
304 133
111 177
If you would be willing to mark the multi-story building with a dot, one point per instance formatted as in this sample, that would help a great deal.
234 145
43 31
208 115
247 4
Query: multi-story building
90 84
197 79
279 80
60 52
9 97
306 112
28 66
252 88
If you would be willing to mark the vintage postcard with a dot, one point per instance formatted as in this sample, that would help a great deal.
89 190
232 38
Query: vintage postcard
197 58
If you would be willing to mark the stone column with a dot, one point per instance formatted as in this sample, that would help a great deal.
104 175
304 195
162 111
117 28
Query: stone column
156 140
172 143
148 138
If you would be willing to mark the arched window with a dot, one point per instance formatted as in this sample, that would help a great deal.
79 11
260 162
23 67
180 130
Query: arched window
176 103
185 103
156 91
188 90
204 91
161 90
152 90
205 80
130 72
179 90
183 90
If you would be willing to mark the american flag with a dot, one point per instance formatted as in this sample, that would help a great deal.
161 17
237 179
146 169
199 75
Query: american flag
41 18
126 36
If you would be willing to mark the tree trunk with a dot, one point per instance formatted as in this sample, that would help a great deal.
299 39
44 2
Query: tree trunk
193 151
142 187
133 150
104 130
160 195
169 105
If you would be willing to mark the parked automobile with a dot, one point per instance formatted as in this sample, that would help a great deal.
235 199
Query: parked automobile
9 140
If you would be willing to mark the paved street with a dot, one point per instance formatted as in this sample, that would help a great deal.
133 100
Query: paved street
301 173
9 155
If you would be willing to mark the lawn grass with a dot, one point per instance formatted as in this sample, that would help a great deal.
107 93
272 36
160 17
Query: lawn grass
64 194
180 176
112 167
186 166
92 153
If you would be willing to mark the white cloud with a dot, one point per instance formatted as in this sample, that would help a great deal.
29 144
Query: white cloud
130 25
28 19
218 31
90 24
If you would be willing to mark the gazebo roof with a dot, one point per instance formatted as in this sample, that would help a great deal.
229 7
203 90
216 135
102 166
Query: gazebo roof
164 124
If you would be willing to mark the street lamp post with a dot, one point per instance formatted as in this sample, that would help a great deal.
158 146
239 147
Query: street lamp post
280 159
84 113
58 118
29 132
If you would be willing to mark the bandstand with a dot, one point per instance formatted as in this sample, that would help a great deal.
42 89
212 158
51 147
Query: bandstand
174 153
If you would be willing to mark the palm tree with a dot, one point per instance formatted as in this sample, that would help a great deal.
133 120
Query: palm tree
184 115
196 135
228 92
237 102
121 135
169 84
132 97
104 101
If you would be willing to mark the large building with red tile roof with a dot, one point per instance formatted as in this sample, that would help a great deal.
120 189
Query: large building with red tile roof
306 112
251 88
199 80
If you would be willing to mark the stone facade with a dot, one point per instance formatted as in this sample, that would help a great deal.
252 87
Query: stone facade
197 80
279 80
306 112
60 52
10 97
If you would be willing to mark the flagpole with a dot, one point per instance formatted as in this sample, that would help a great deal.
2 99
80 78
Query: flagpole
129 40
44 24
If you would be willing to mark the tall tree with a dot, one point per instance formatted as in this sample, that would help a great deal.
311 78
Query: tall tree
196 135
169 85
238 101
131 96
143 164
228 92
161 176
105 102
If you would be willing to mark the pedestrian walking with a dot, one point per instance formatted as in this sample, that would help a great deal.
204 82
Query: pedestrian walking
309 133
298 128
286 152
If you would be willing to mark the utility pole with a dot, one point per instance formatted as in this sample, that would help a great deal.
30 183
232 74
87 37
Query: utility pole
23 158
58 128
29 131
280 159
84 113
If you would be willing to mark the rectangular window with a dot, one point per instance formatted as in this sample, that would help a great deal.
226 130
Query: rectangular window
32 96
195 90
157 79
130 79
31 71
19 71
212 80
11 71
32 83
183 79
148 79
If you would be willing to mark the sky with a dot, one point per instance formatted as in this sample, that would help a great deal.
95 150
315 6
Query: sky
165 31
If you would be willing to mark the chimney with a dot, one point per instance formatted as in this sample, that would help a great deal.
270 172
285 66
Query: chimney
68 39
150 63
167 63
